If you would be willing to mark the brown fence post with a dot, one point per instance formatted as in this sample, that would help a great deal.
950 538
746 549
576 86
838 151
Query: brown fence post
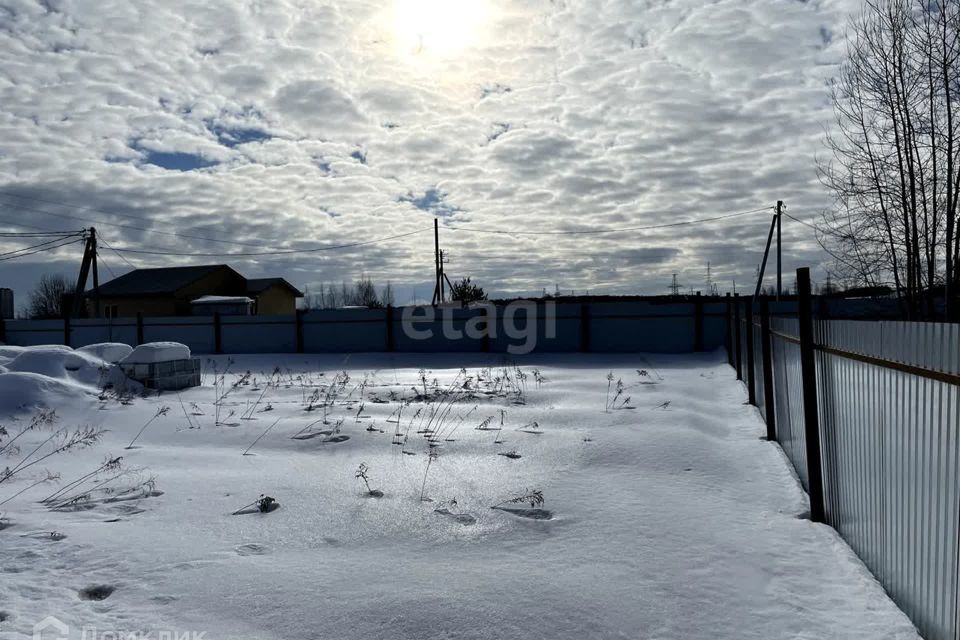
751 360
485 340
584 327
736 335
698 323
767 355
728 339
217 333
389 321
66 329
811 418
298 319
139 328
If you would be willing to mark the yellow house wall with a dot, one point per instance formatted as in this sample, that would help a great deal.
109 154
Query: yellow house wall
275 301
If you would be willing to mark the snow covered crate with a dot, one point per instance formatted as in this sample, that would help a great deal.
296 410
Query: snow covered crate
165 366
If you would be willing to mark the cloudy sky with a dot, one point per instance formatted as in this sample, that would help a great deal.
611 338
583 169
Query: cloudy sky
263 126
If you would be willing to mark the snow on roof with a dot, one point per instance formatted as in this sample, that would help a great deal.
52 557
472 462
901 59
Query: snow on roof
222 300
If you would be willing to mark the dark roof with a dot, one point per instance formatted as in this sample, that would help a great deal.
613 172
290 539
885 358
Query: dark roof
259 285
167 280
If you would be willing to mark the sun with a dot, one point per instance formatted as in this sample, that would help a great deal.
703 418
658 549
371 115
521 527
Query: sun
437 28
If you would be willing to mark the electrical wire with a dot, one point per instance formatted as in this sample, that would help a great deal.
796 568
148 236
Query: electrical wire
100 238
35 251
41 230
118 214
174 234
800 221
173 252
14 234
102 260
617 230
42 244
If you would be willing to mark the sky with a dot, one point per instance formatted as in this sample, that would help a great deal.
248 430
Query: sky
283 125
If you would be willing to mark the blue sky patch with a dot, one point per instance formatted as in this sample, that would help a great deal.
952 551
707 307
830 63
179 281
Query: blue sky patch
234 136
432 200
174 160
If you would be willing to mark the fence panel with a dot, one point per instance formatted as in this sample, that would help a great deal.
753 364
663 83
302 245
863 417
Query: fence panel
788 393
759 382
888 398
891 439
258 334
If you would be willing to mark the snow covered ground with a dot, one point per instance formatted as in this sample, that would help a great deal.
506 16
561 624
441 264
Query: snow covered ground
671 517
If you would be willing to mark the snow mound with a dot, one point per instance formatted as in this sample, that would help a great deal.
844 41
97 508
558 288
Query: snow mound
62 363
109 351
24 390
47 375
152 352
8 353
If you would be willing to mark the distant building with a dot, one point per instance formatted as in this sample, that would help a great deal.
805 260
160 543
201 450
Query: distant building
172 291
6 303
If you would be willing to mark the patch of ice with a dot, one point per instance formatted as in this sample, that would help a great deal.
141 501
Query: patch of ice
109 351
152 352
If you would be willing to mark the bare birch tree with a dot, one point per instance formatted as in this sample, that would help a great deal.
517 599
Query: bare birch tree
894 162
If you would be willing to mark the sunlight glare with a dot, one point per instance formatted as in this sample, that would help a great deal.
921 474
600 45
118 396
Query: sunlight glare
437 28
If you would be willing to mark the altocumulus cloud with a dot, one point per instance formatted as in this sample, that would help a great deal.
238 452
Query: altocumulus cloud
288 123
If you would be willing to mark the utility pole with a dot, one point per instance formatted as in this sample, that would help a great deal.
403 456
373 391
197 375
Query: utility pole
89 259
766 251
96 272
443 277
437 295
779 257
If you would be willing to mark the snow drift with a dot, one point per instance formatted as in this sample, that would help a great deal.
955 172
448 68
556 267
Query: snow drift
109 351
47 375
152 352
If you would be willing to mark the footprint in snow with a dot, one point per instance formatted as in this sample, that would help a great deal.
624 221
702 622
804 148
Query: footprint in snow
54 536
252 549
531 514
463 518
96 592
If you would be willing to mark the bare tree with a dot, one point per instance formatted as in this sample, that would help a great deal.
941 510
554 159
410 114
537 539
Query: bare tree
46 299
386 295
365 293
894 162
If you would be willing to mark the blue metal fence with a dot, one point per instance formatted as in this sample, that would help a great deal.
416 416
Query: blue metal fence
888 407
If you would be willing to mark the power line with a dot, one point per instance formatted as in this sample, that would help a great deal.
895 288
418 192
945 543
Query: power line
800 221
104 262
187 236
41 230
42 244
173 252
618 230
35 251
119 255
15 234
121 215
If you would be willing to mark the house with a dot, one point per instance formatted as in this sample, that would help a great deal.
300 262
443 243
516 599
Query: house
172 291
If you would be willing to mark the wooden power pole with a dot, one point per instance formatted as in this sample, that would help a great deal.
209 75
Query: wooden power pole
779 256
437 291
89 260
